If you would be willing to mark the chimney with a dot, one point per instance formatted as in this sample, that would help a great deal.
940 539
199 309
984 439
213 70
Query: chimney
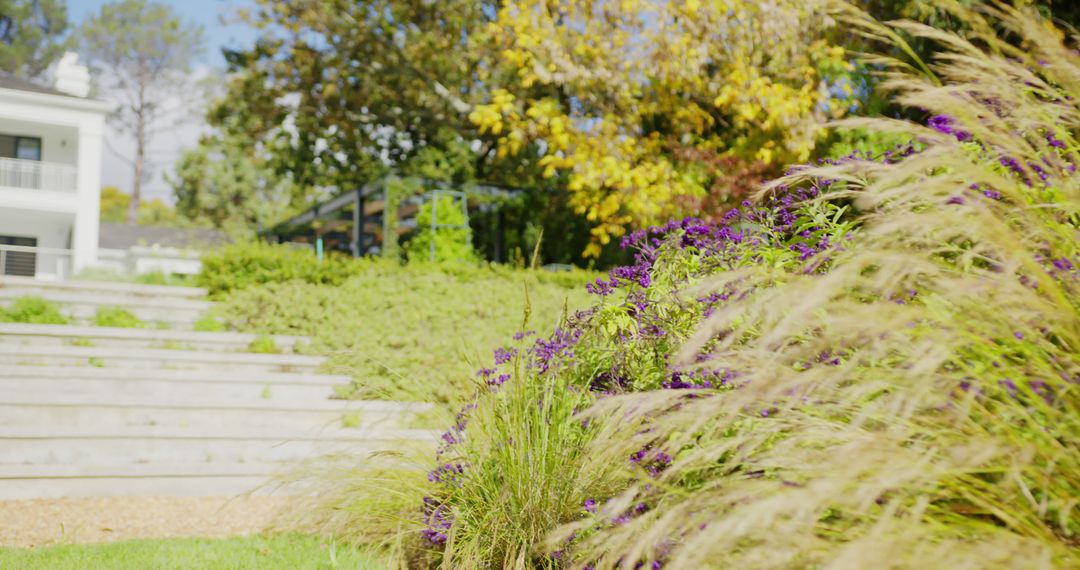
71 77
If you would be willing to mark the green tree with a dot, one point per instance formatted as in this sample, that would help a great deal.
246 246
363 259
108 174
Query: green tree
31 35
224 183
365 88
114 205
142 51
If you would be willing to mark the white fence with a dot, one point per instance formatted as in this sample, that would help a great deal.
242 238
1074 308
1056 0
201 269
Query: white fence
37 175
142 259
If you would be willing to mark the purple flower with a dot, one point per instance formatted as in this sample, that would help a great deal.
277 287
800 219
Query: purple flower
947 125
1063 264
1054 141
590 505
504 355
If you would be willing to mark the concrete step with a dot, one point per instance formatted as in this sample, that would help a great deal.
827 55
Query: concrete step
166 389
123 410
170 374
153 317
31 286
110 337
11 354
180 480
85 445
132 303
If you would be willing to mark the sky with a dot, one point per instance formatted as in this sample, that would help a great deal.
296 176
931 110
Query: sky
167 146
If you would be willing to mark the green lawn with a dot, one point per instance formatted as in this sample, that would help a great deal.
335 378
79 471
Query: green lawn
259 552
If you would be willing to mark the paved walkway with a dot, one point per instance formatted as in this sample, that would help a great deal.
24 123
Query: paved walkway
43 522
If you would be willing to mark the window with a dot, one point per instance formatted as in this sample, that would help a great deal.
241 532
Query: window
23 148
22 263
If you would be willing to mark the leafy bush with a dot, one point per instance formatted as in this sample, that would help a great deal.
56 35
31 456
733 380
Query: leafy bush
33 310
874 366
208 323
243 265
451 243
117 317
264 344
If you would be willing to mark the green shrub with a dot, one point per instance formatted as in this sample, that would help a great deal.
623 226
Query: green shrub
264 344
33 310
208 323
117 317
239 266
452 244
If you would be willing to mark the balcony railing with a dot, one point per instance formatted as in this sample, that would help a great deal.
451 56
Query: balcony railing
36 175
41 262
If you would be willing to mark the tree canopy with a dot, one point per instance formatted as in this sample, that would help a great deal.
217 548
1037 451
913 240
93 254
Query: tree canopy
32 35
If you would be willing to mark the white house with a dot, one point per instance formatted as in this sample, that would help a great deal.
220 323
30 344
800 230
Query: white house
50 173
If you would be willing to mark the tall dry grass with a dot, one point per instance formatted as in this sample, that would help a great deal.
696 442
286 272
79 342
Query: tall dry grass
947 435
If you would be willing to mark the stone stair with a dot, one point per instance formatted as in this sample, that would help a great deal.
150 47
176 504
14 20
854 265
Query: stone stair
162 306
95 411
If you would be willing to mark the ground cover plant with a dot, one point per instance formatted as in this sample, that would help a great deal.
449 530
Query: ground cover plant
874 364
117 317
397 329
35 310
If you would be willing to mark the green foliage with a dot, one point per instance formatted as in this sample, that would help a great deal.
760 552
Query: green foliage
115 205
512 497
33 310
451 243
117 317
407 332
277 552
208 323
33 35
418 70
264 344
225 183
243 265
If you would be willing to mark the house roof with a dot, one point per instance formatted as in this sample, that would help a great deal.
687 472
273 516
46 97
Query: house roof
25 91
19 84
124 236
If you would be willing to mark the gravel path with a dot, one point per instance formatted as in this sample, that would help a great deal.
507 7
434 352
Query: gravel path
41 522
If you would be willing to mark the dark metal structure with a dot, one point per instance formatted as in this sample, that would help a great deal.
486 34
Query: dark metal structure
354 221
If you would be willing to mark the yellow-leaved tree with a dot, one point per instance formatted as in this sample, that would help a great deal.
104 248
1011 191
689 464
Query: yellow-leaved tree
650 109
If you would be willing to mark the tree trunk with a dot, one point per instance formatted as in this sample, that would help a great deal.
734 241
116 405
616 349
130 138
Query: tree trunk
136 186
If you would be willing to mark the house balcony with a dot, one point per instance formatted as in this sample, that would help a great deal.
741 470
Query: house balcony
37 175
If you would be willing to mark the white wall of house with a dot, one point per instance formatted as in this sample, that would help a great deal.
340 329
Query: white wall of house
71 131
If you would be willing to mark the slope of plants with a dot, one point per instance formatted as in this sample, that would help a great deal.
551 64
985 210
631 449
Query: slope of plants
873 365
397 330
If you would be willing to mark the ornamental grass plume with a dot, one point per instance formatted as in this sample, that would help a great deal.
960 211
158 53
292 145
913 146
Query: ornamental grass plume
942 428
